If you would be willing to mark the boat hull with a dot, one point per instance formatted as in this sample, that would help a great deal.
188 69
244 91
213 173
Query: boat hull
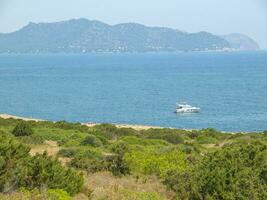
191 110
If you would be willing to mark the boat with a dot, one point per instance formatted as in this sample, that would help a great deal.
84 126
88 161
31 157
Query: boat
186 108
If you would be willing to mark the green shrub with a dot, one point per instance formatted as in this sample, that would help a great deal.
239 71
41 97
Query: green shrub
120 148
133 140
88 159
99 135
58 195
67 152
19 169
107 130
14 159
116 163
70 126
169 135
126 132
188 148
22 129
234 172
33 139
151 161
92 141
236 135
182 184
237 171
211 132
48 172
90 165
24 194
206 140
111 132
71 139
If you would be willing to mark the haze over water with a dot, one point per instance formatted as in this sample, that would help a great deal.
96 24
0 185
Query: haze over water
230 88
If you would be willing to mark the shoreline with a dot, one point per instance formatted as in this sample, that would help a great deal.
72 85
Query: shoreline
89 124
136 127
7 116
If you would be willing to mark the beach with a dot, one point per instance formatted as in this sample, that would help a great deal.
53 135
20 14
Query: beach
89 124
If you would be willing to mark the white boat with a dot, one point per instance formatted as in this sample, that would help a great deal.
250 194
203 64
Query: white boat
186 108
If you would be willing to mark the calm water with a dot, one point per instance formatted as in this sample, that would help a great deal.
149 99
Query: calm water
230 88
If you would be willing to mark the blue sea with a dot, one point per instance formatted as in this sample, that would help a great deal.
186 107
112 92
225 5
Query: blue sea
230 88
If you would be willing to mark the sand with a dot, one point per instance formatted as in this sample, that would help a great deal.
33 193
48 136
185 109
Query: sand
7 116
134 126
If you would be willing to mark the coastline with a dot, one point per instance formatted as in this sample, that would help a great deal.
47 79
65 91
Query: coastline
136 127
7 116
89 124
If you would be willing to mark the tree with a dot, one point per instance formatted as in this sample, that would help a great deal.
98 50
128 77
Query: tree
22 129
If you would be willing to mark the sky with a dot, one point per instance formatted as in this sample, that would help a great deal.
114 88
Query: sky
216 16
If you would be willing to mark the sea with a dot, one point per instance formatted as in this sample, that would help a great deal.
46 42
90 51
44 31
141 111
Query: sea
135 88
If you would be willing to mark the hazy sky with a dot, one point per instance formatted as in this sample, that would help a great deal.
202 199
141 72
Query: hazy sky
216 16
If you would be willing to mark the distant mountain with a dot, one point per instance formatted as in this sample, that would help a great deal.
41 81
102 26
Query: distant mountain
82 35
241 42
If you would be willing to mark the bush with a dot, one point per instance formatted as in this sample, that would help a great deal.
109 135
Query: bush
99 135
120 148
235 172
33 139
107 130
87 159
22 129
14 159
116 163
19 169
206 139
181 183
110 131
90 165
151 161
58 195
24 194
92 140
169 135
48 172
133 140
70 152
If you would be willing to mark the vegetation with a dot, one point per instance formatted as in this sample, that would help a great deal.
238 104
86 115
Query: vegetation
62 161
22 129
19 169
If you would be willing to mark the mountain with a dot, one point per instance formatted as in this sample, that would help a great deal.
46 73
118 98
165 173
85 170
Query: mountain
82 35
241 42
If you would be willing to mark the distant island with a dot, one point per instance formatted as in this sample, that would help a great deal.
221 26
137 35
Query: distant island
86 36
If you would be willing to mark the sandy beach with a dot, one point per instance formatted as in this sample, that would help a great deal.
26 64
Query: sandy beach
7 116
89 124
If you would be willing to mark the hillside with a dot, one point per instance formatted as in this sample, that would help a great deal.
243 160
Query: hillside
45 160
241 42
82 35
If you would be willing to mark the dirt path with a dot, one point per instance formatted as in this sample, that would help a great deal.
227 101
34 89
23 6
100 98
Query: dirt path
52 149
